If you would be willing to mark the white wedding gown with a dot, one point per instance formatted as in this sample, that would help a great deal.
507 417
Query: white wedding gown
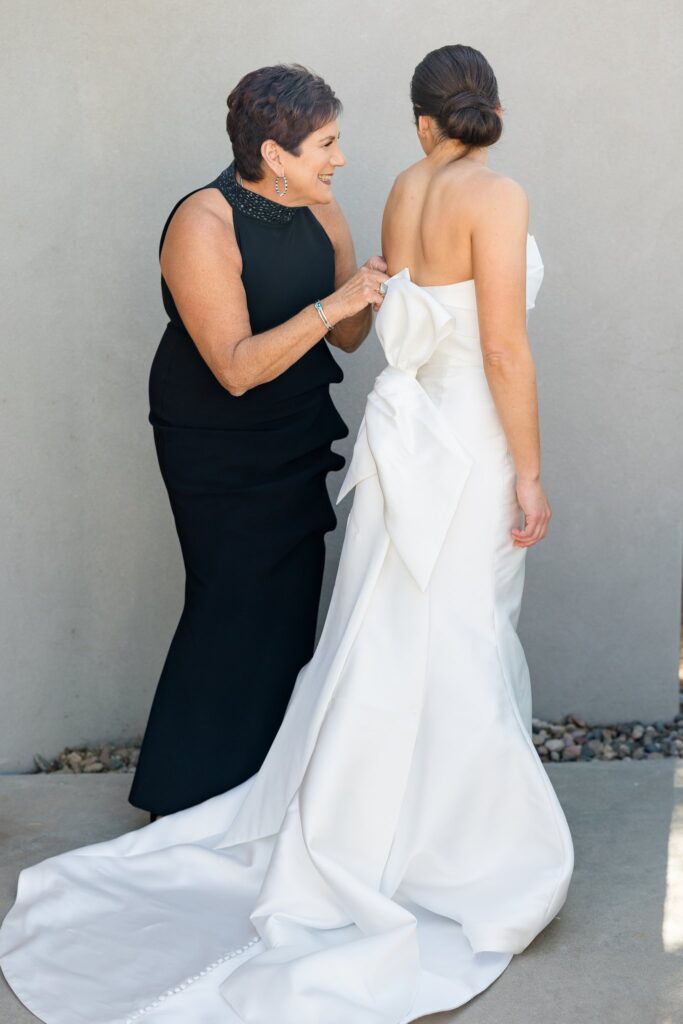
402 839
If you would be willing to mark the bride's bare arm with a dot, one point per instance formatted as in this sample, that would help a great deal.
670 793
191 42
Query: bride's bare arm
499 247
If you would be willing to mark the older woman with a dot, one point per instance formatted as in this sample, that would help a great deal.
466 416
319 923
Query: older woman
258 267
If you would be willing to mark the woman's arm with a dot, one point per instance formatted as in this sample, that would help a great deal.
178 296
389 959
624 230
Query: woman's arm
202 266
350 333
499 247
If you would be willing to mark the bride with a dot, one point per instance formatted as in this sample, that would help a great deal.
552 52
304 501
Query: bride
401 841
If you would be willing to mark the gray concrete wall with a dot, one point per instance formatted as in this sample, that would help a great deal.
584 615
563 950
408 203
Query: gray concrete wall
115 110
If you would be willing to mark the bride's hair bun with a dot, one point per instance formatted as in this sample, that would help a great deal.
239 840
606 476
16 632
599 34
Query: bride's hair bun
456 86
471 118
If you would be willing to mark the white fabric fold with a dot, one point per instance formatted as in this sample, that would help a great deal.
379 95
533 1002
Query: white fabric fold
422 466
401 840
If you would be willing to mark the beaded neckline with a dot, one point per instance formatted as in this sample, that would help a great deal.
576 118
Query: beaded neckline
251 203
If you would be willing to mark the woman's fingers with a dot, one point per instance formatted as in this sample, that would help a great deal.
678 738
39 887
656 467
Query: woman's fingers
376 263
374 278
370 285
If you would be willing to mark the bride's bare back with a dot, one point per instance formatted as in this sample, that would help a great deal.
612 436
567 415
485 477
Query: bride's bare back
427 221
454 222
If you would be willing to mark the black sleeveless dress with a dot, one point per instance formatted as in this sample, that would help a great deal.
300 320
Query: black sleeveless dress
246 480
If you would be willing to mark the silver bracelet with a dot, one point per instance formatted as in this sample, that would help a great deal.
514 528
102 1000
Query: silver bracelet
321 314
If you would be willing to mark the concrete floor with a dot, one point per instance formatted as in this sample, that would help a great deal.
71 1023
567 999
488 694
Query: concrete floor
614 954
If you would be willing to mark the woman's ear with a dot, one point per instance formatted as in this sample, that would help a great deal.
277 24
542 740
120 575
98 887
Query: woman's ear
270 151
424 126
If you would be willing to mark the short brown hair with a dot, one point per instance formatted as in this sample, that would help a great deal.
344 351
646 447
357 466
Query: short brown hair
285 102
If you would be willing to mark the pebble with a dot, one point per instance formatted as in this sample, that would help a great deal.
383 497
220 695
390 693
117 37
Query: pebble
95 760
575 739
553 745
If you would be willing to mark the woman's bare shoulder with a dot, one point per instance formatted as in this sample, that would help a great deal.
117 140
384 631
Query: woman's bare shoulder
502 200
485 188
404 186
478 196
201 218
405 178
203 207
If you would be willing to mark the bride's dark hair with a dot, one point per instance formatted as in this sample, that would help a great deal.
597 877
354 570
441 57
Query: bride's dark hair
457 87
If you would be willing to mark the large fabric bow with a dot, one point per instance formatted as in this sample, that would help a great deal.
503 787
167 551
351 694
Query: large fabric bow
421 465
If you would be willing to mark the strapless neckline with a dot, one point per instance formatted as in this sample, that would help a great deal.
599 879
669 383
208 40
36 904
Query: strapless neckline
461 295
455 284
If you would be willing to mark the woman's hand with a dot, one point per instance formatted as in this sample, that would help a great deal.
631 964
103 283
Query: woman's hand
361 290
377 263
537 513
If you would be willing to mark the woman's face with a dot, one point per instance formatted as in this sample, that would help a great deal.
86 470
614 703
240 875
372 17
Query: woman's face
309 175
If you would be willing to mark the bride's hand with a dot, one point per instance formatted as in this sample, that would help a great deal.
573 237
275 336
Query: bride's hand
537 513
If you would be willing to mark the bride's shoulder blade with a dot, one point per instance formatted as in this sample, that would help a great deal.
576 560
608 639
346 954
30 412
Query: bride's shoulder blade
400 194
399 186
